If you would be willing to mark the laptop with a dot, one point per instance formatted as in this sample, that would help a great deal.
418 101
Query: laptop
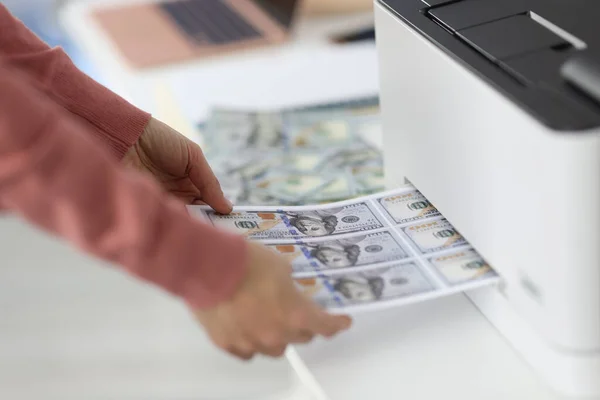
171 31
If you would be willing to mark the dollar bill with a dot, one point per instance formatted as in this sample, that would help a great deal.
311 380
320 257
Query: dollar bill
248 166
292 224
268 130
320 135
408 207
252 165
315 146
293 185
433 236
462 266
367 287
232 131
369 127
285 188
357 106
369 178
252 195
309 258
303 161
340 188
358 154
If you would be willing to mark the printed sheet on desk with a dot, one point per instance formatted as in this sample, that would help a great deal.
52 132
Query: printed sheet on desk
383 250
308 155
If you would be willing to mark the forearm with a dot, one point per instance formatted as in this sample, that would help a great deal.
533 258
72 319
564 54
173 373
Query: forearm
117 123
60 180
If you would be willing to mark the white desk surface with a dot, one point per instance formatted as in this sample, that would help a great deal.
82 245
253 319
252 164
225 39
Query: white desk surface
72 328
441 349
75 328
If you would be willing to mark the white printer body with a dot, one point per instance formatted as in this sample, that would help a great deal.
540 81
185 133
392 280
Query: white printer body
491 109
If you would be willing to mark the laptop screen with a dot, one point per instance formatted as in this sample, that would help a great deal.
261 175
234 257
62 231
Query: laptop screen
281 10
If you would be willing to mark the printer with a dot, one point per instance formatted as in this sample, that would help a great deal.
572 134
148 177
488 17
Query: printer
491 108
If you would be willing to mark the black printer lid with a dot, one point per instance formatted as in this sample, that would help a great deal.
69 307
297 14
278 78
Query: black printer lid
542 54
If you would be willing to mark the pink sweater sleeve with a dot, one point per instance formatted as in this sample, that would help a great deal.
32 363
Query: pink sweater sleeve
110 118
57 177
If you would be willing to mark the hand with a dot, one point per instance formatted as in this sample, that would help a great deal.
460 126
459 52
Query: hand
268 312
178 165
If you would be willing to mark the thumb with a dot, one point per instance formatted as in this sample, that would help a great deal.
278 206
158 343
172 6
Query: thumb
206 182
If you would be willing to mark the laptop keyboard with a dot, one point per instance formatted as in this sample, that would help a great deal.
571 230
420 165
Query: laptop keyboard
209 21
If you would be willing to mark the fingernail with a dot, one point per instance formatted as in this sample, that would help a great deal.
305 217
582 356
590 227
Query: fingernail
229 203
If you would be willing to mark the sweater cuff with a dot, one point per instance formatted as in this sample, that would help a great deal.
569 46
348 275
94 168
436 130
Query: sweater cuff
120 122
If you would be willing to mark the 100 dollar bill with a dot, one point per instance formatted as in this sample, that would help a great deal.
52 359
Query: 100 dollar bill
309 258
292 224
367 287
408 207
462 266
432 236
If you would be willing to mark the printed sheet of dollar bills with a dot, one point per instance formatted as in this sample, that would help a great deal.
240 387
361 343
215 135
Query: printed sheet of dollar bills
372 252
